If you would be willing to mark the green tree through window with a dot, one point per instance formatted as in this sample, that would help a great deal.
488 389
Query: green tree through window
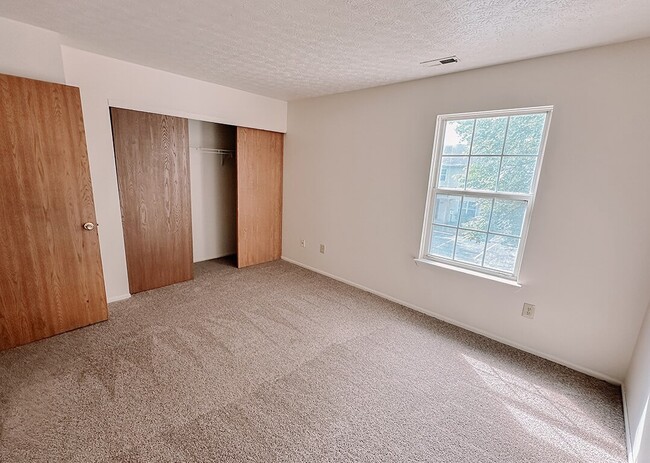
490 163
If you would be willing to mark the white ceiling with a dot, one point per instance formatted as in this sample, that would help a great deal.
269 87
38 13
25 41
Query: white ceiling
292 49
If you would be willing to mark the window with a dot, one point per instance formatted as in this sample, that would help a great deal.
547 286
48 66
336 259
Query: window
481 190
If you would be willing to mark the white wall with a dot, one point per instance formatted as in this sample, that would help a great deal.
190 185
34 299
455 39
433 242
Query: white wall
637 394
36 53
29 51
214 191
356 173
108 82
356 169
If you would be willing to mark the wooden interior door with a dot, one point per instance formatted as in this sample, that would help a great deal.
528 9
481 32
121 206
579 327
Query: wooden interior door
259 196
51 277
153 171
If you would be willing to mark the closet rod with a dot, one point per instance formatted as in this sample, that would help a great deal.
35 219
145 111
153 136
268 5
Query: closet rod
218 151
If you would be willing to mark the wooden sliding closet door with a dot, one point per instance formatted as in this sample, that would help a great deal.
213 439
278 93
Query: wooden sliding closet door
153 170
51 277
259 196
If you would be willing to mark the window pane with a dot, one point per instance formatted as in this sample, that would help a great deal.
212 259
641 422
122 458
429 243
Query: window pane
442 241
453 170
489 134
517 174
470 246
525 135
486 171
508 217
483 173
458 137
501 253
475 213
447 210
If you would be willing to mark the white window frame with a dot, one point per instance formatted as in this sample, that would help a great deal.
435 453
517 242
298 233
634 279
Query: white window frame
433 189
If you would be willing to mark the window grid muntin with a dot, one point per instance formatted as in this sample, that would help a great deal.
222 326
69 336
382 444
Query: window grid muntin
487 232
489 221
493 196
527 197
500 156
503 147
476 231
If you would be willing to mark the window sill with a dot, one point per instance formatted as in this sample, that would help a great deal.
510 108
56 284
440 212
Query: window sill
469 272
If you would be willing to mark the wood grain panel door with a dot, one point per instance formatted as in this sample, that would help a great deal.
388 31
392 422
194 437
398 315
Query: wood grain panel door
259 196
153 171
51 277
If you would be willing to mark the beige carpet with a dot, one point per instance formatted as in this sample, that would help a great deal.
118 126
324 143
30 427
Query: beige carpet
278 364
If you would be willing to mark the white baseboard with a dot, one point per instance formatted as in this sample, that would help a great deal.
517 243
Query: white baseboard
587 371
118 298
626 418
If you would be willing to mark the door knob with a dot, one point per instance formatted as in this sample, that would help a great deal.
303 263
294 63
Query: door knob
89 226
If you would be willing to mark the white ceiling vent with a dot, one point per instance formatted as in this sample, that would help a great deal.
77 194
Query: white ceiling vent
440 61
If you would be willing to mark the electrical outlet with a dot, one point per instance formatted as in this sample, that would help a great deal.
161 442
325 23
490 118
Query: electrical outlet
528 311
322 249
302 243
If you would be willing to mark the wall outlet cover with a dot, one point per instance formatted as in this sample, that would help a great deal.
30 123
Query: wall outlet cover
528 311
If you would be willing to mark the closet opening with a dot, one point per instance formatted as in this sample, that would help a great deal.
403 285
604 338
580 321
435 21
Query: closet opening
192 191
213 180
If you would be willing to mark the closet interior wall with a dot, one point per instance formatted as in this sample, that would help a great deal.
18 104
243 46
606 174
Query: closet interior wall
214 190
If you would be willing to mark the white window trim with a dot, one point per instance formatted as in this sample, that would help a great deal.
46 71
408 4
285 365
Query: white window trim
436 158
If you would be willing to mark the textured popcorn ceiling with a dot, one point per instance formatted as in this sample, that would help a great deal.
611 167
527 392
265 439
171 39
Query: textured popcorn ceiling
293 49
